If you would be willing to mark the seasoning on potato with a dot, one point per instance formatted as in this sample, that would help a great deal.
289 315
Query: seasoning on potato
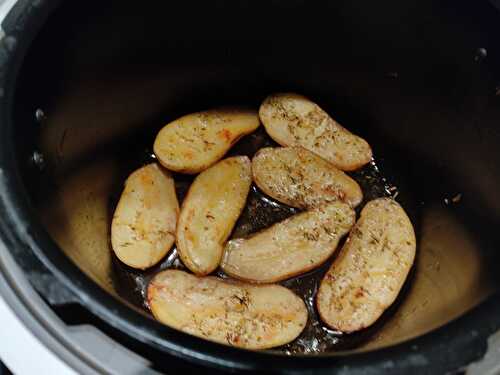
143 226
290 247
208 214
300 178
196 141
232 313
371 268
292 119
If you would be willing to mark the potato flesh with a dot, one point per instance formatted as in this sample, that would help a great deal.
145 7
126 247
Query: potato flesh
294 120
290 247
300 178
210 210
373 264
143 226
237 314
196 141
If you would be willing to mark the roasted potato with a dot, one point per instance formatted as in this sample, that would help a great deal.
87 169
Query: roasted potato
294 120
194 142
209 212
299 178
143 226
290 247
371 268
232 313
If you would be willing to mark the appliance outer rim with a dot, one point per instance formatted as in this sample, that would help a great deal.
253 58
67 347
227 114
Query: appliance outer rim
448 348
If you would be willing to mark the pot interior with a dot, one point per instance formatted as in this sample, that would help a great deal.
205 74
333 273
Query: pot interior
108 77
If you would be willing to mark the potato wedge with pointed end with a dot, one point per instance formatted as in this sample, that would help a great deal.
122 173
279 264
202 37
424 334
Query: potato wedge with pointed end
290 247
143 226
194 142
300 178
231 313
373 264
292 119
209 212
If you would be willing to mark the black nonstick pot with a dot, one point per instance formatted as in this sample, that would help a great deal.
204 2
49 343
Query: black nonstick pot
85 86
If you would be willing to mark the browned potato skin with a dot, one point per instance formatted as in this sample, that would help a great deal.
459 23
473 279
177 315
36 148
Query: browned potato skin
231 313
143 226
294 120
208 214
371 268
290 247
196 141
299 178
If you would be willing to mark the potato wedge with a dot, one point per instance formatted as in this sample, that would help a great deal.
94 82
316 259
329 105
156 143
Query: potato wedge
194 142
143 226
292 119
373 264
290 247
299 178
231 313
208 214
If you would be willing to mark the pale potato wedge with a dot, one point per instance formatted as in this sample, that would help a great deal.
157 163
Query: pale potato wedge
143 226
194 142
290 247
294 120
371 268
209 212
231 313
299 178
